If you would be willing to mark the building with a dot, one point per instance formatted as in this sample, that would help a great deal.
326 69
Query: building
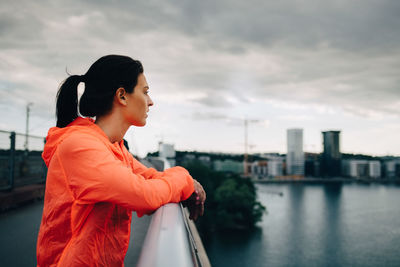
360 168
392 168
259 169
275 167
274 164
167 151
331 156
374 168
295 154
228 165
205 160
312 164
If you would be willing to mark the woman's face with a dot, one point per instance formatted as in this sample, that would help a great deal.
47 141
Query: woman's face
138 102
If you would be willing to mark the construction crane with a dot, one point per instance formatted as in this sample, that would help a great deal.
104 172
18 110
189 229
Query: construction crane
246 145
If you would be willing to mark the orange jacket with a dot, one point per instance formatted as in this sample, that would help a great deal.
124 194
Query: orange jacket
92 188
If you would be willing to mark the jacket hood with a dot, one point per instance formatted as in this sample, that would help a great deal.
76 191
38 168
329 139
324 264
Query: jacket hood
56 135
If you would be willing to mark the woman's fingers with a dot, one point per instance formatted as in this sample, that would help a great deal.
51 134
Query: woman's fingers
201 209
195 203
200 192
198 210
194 212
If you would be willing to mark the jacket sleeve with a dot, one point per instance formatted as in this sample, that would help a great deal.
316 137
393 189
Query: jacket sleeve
94 174
147 173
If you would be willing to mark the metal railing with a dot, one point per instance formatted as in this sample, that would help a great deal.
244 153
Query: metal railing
172 238
167 242
20 160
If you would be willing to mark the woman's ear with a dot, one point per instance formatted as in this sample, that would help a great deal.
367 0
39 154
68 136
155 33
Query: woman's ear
120 96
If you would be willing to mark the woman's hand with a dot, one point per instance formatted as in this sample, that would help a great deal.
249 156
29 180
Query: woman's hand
195 202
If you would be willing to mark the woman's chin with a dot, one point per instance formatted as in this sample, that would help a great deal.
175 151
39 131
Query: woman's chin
139 124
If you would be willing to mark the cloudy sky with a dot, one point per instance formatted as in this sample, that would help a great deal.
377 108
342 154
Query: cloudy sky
315 65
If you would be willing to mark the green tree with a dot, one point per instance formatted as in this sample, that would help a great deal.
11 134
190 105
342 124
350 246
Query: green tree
231 200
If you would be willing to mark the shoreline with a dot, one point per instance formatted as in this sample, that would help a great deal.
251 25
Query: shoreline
327 180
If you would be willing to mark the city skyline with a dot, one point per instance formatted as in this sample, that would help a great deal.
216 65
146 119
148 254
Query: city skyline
211 65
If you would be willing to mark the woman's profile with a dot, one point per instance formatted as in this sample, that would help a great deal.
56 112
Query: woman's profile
93 183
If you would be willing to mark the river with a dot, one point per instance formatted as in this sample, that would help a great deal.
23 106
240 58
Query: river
317 225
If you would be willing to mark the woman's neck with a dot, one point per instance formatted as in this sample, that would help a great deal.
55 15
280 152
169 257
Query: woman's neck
113 126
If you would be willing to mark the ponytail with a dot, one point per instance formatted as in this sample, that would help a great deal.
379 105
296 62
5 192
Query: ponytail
67 101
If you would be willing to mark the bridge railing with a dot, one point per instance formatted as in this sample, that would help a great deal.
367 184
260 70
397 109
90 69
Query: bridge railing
171 241
172 238
20 160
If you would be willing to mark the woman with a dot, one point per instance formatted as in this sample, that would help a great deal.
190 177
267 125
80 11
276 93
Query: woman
93 182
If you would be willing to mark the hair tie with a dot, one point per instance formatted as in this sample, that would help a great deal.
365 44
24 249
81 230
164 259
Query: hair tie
82 78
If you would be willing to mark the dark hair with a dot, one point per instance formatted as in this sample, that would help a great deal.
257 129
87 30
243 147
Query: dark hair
102 79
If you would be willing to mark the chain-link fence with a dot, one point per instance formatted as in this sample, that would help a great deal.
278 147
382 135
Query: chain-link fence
20 160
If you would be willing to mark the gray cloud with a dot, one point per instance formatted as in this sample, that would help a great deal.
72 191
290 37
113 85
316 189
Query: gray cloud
337 53
209 115
342 24
355 25
212 101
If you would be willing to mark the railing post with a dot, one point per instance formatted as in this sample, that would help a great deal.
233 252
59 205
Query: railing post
12 161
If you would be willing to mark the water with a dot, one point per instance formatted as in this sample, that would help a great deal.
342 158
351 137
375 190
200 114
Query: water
19 229
317 225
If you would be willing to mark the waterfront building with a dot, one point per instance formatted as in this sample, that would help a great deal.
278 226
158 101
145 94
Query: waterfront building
204 158
374 168
331 156
312 164
392 168
357 168
259 169
295 154
189 157
275 167
228 165
275 164
206 161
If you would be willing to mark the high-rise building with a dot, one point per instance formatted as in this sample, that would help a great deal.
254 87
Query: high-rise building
331 156
295 154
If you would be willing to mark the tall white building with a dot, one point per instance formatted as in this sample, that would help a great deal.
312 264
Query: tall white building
167 151
295 153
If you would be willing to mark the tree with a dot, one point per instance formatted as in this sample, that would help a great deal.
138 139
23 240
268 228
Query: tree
231 200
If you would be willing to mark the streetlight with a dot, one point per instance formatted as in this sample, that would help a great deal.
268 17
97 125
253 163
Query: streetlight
28 106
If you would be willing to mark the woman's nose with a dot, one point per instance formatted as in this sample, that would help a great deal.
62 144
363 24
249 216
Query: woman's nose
150 103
